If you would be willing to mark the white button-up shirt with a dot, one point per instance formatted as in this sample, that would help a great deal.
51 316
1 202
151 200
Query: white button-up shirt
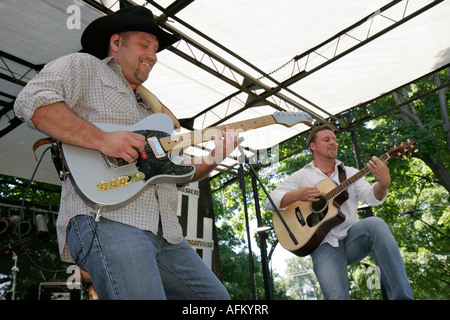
310 175
97 91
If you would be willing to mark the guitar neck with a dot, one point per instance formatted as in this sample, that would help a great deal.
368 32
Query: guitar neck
198 136
347 183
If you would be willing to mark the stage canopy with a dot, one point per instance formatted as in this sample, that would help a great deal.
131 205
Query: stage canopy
236 60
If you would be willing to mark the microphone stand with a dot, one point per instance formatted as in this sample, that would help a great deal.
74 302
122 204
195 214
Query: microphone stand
262 234
250 253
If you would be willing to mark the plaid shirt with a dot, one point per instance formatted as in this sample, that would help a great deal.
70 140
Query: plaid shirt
98 92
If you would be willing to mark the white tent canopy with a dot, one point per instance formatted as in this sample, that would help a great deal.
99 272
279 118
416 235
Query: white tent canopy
237 60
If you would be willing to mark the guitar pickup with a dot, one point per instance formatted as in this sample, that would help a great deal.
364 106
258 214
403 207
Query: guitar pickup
120 181
112 163
157 149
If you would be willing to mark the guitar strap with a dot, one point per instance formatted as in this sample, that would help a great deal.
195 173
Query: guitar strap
157 106
57 156
342 174
341 198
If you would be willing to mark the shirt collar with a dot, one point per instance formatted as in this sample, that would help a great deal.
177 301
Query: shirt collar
338 163
112 62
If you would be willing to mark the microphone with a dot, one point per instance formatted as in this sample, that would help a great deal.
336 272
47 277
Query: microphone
263 229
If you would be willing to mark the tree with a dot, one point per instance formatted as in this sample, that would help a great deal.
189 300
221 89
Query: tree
300 281
426 120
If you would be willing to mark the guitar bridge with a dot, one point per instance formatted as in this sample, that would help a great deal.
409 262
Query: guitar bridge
120 181
299 216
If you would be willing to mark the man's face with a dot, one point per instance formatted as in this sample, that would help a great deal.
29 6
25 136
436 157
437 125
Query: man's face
325 145
136 55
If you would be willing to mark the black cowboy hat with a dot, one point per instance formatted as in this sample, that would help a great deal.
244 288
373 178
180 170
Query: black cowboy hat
96 36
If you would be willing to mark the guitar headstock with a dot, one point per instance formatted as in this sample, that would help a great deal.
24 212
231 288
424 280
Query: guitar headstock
291 118
404 149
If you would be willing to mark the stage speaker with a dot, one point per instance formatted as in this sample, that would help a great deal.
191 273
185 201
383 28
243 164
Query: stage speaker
17 224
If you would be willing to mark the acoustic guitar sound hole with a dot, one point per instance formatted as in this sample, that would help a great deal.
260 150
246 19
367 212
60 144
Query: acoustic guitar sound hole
318 206
319 209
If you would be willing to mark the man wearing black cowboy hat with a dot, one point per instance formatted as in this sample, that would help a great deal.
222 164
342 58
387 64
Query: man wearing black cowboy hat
139 251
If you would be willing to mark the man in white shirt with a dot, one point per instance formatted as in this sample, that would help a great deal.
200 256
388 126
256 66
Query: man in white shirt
353 239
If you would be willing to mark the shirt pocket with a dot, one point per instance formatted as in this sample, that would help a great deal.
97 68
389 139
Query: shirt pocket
117 97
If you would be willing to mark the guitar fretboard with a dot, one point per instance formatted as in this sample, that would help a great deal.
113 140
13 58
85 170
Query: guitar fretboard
198 136
348 182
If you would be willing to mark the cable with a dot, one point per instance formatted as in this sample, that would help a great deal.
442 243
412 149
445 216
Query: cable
97 219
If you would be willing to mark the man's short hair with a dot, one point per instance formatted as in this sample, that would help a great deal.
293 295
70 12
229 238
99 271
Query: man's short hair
313 134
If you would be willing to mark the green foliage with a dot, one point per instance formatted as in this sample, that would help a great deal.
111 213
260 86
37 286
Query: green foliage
300 281
44 253
235 265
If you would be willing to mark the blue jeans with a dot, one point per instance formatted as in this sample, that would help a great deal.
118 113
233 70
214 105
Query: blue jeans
126 263
369 235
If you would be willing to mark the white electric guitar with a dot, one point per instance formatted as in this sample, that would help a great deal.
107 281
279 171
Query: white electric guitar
112 182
